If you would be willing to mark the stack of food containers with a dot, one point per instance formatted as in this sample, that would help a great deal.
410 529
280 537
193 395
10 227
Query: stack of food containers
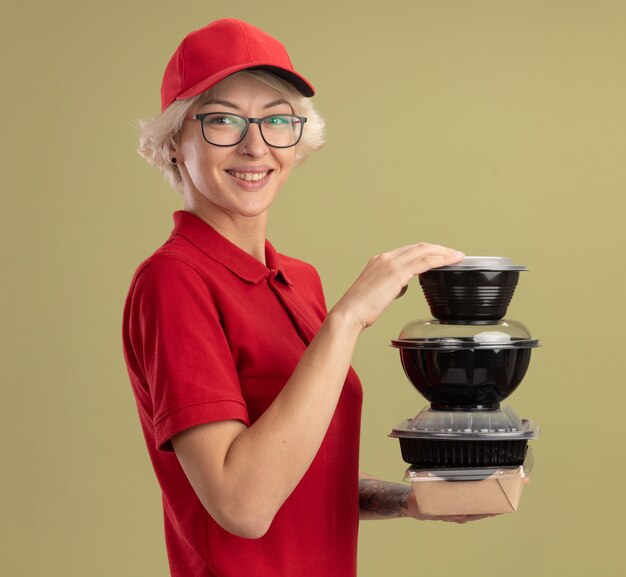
467 455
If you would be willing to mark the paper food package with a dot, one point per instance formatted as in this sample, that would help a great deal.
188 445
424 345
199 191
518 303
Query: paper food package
468 491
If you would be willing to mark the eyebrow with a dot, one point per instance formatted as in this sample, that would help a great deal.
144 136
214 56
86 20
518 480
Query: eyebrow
229 104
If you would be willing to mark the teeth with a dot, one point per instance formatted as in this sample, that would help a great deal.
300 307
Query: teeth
249 176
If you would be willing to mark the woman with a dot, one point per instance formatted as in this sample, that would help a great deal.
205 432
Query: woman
243 383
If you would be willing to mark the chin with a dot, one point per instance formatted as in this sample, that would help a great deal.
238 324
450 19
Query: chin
253 209
253 212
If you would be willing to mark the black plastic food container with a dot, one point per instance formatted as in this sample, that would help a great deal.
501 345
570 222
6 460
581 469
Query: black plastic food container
443 440
468 295
464 375
476 289
452 453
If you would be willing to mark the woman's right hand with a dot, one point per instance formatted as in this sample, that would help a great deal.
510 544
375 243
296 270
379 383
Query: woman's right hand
385 277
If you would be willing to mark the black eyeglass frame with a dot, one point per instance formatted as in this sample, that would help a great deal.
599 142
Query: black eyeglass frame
248 122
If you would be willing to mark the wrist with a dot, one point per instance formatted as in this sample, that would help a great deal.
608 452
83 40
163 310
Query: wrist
344 321
412 508
385 500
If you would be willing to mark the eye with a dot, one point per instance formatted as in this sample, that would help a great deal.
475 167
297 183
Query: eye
220 120
278 120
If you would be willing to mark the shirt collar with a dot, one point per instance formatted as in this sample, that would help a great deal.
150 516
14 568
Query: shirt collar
220 249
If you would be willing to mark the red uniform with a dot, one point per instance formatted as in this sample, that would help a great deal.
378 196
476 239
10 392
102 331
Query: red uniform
210 333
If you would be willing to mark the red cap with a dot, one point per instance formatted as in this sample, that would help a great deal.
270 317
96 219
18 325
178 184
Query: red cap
210 54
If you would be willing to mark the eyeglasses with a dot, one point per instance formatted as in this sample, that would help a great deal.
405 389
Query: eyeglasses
277 130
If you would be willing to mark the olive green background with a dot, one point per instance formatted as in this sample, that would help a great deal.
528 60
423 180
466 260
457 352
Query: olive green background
493 126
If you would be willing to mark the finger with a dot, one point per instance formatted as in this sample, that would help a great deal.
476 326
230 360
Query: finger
434 254
419 258
411 260
426 262
460 519
424 248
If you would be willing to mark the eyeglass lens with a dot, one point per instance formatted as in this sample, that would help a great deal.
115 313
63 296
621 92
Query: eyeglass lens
278 130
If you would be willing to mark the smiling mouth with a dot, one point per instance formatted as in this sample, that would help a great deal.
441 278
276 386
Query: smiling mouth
249 176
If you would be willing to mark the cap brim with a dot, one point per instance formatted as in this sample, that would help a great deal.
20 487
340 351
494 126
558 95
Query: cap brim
300 83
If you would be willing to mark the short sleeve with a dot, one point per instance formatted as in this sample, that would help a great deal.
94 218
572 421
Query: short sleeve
179 345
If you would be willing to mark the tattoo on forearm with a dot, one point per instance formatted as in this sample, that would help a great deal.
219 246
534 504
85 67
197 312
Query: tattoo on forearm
384 498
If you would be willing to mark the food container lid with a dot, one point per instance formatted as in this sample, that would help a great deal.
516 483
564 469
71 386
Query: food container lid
453 344
417 475
495 263
451 335
503 420
467 425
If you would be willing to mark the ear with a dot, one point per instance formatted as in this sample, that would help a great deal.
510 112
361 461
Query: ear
174 153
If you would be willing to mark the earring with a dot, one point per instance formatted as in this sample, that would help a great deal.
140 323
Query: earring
173 160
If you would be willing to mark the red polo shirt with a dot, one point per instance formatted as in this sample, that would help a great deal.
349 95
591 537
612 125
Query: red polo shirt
210 333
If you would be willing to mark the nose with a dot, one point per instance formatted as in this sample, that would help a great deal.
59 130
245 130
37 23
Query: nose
253 143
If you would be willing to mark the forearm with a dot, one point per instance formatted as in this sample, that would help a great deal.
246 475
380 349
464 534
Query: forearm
282 443
384 500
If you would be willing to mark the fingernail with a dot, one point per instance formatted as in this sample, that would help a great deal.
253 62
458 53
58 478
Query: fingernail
459 254
402 291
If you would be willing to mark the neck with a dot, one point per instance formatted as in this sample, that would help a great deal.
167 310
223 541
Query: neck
248 233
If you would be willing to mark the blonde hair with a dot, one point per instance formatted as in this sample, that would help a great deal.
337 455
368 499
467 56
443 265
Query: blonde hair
157 136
